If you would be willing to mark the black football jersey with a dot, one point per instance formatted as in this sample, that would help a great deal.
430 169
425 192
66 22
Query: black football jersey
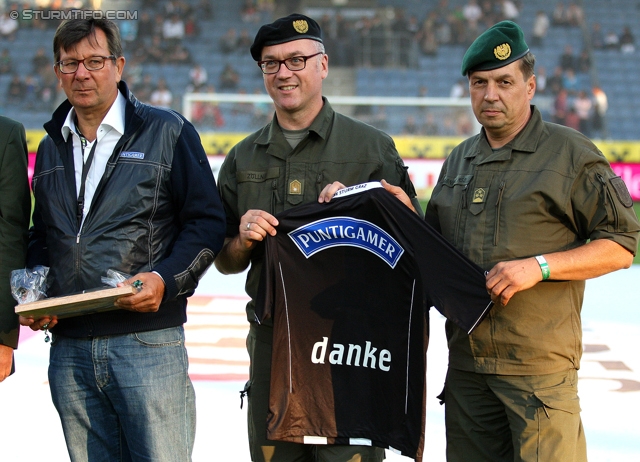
348 284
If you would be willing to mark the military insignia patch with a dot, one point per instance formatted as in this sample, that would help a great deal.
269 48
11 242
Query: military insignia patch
295 187
478 195
502 52
301 26
622 191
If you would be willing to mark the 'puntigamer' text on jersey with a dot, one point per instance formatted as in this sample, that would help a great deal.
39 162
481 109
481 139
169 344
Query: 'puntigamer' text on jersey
347 284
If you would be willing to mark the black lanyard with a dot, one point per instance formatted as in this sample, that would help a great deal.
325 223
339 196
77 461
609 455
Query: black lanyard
86 165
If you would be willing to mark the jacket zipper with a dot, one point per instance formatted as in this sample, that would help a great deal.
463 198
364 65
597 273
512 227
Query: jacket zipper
496 231
275 198
458 217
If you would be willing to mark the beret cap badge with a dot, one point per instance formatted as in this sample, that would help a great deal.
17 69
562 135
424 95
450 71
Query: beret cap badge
293 27
500 45
301 26
502 52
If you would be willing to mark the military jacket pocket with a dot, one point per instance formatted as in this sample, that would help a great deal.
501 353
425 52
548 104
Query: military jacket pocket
260 187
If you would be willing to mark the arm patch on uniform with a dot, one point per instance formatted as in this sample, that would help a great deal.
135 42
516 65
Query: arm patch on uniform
621 191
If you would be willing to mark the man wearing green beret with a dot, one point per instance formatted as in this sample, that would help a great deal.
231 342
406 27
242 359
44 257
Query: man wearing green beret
303 155
538 207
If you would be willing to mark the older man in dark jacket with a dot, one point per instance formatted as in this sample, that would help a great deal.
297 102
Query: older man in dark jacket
121 185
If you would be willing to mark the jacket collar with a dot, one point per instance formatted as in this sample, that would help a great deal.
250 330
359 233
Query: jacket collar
525 142
132 118
272 135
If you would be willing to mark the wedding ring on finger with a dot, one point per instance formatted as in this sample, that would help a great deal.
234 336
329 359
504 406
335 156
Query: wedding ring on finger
248 225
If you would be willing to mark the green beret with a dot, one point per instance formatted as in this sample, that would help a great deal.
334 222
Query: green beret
293 27
498 46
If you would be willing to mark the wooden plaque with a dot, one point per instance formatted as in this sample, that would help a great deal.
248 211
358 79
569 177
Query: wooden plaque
90 301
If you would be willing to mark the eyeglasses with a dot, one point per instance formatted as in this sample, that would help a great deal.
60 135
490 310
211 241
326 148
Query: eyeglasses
93 63
295 63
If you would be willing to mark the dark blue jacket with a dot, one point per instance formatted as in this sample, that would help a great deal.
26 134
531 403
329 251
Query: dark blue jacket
155 209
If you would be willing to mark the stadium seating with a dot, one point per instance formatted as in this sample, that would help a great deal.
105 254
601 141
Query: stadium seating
612 70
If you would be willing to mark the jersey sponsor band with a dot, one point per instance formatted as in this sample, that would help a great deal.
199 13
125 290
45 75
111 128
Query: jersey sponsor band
338 231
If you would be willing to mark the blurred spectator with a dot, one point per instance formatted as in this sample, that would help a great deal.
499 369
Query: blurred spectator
363 29
262 112
583 61
554 82
229 41
426 37
570 82
128 31
15 90
6 63
205 9
448 127
133 71
229 78
464 126
600 106
575 15
430 126
540 28
559 16
410 126
627 41
173 30
541 80
491 13
143 89
266 7
472 12
567 59
583 105
249 13
458 27
8 27
597 38
459 89
345 41
443 29
197 78
155 52
31 92
179 54
158 25
145 26
244 41
41 62
611 41
560 107
378 42
404 37
177 7
207 113
162 96
509 10
471 32
48 90
191 26
572 120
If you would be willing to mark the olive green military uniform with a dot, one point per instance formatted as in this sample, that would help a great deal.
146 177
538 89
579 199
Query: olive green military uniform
263 172
548 190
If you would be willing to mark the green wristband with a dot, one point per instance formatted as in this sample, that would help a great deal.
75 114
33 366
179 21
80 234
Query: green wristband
544 267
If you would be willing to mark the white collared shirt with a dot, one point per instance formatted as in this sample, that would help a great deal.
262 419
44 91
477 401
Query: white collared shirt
109 132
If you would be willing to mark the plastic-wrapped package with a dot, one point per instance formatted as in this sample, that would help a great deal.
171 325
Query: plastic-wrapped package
29 284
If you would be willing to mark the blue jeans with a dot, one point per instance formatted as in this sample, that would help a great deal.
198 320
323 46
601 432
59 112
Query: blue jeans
124 397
